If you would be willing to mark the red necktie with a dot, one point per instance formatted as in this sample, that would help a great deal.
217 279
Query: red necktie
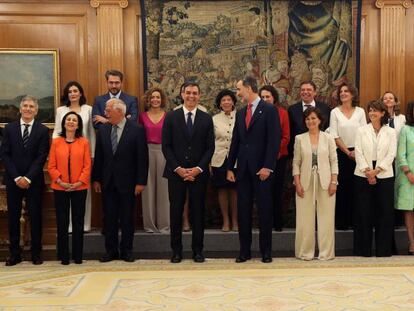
248 115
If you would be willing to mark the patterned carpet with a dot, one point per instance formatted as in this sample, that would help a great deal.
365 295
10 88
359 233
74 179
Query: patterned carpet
346 283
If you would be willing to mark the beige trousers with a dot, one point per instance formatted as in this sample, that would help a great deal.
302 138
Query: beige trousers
155 203
315 203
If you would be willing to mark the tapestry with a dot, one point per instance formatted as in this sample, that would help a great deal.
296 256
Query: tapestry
281 43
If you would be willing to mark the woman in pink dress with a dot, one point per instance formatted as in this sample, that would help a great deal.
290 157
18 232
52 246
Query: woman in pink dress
155 204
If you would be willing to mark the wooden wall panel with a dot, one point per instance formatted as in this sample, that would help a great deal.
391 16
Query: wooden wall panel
370 48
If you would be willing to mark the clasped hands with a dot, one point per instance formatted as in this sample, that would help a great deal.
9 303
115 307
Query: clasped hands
188 174
371 174
22 183
68 186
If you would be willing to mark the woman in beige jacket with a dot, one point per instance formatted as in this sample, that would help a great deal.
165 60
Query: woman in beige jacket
315 172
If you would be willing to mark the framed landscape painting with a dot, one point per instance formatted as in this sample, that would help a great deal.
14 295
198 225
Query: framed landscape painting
29 72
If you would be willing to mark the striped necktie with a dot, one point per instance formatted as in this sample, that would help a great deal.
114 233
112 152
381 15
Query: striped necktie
248 115
25 135
114 138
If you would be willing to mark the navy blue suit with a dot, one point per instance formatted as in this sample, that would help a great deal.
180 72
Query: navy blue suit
297 126
255 148
187 151
118 174
28 162
131 103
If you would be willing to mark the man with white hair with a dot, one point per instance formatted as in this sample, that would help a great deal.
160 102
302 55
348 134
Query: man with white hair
120 172
24 151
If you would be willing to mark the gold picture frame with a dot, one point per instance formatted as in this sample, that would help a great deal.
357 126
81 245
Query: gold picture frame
29 72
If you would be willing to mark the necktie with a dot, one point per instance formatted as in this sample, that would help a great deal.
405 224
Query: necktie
114 138
391 122
248 115
189 123
307 106
25 135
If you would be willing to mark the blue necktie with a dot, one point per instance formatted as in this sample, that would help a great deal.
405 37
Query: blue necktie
189 123
114 138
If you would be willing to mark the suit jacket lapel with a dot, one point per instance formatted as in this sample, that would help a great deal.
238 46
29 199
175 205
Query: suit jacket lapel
122 138
35 127
18 130
183 123
257 113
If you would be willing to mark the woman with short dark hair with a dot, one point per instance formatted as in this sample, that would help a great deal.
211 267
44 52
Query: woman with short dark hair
69 168
315 173
375 150
223 131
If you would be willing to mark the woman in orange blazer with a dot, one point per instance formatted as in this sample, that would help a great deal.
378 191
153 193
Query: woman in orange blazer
70 169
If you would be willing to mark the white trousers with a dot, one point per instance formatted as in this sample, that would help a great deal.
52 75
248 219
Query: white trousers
315 203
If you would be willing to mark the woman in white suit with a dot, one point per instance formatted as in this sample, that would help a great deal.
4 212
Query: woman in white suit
315 173
73 99
223 131
375 150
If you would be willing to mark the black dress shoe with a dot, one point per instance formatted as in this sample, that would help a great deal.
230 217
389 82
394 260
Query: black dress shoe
176 258
78 261
108 257
128 257
241 259
64 262
267 259
199 257
37 260
13 260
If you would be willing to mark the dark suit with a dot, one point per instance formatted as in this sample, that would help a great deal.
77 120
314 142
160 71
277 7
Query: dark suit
99 104
182 150
297 126
28 162
255 148
118 175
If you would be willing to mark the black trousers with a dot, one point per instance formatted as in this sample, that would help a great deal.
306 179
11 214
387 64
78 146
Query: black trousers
33 197
374 208
177 190
249 186
118 207
344 198
278 182
70 202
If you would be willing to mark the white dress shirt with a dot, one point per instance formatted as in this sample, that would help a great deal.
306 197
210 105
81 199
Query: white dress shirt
342 127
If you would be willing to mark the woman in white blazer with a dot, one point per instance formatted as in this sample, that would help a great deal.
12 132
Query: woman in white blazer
315 173
396 120
375 150
73 99
223 131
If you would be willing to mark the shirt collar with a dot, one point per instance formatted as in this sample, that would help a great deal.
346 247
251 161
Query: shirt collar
255 102
22 122
117 95
312 103
121 124
186 111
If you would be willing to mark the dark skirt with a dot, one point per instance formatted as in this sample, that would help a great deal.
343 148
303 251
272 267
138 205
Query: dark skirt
219 177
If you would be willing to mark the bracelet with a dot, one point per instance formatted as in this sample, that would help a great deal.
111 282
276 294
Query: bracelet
334 183
407 172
